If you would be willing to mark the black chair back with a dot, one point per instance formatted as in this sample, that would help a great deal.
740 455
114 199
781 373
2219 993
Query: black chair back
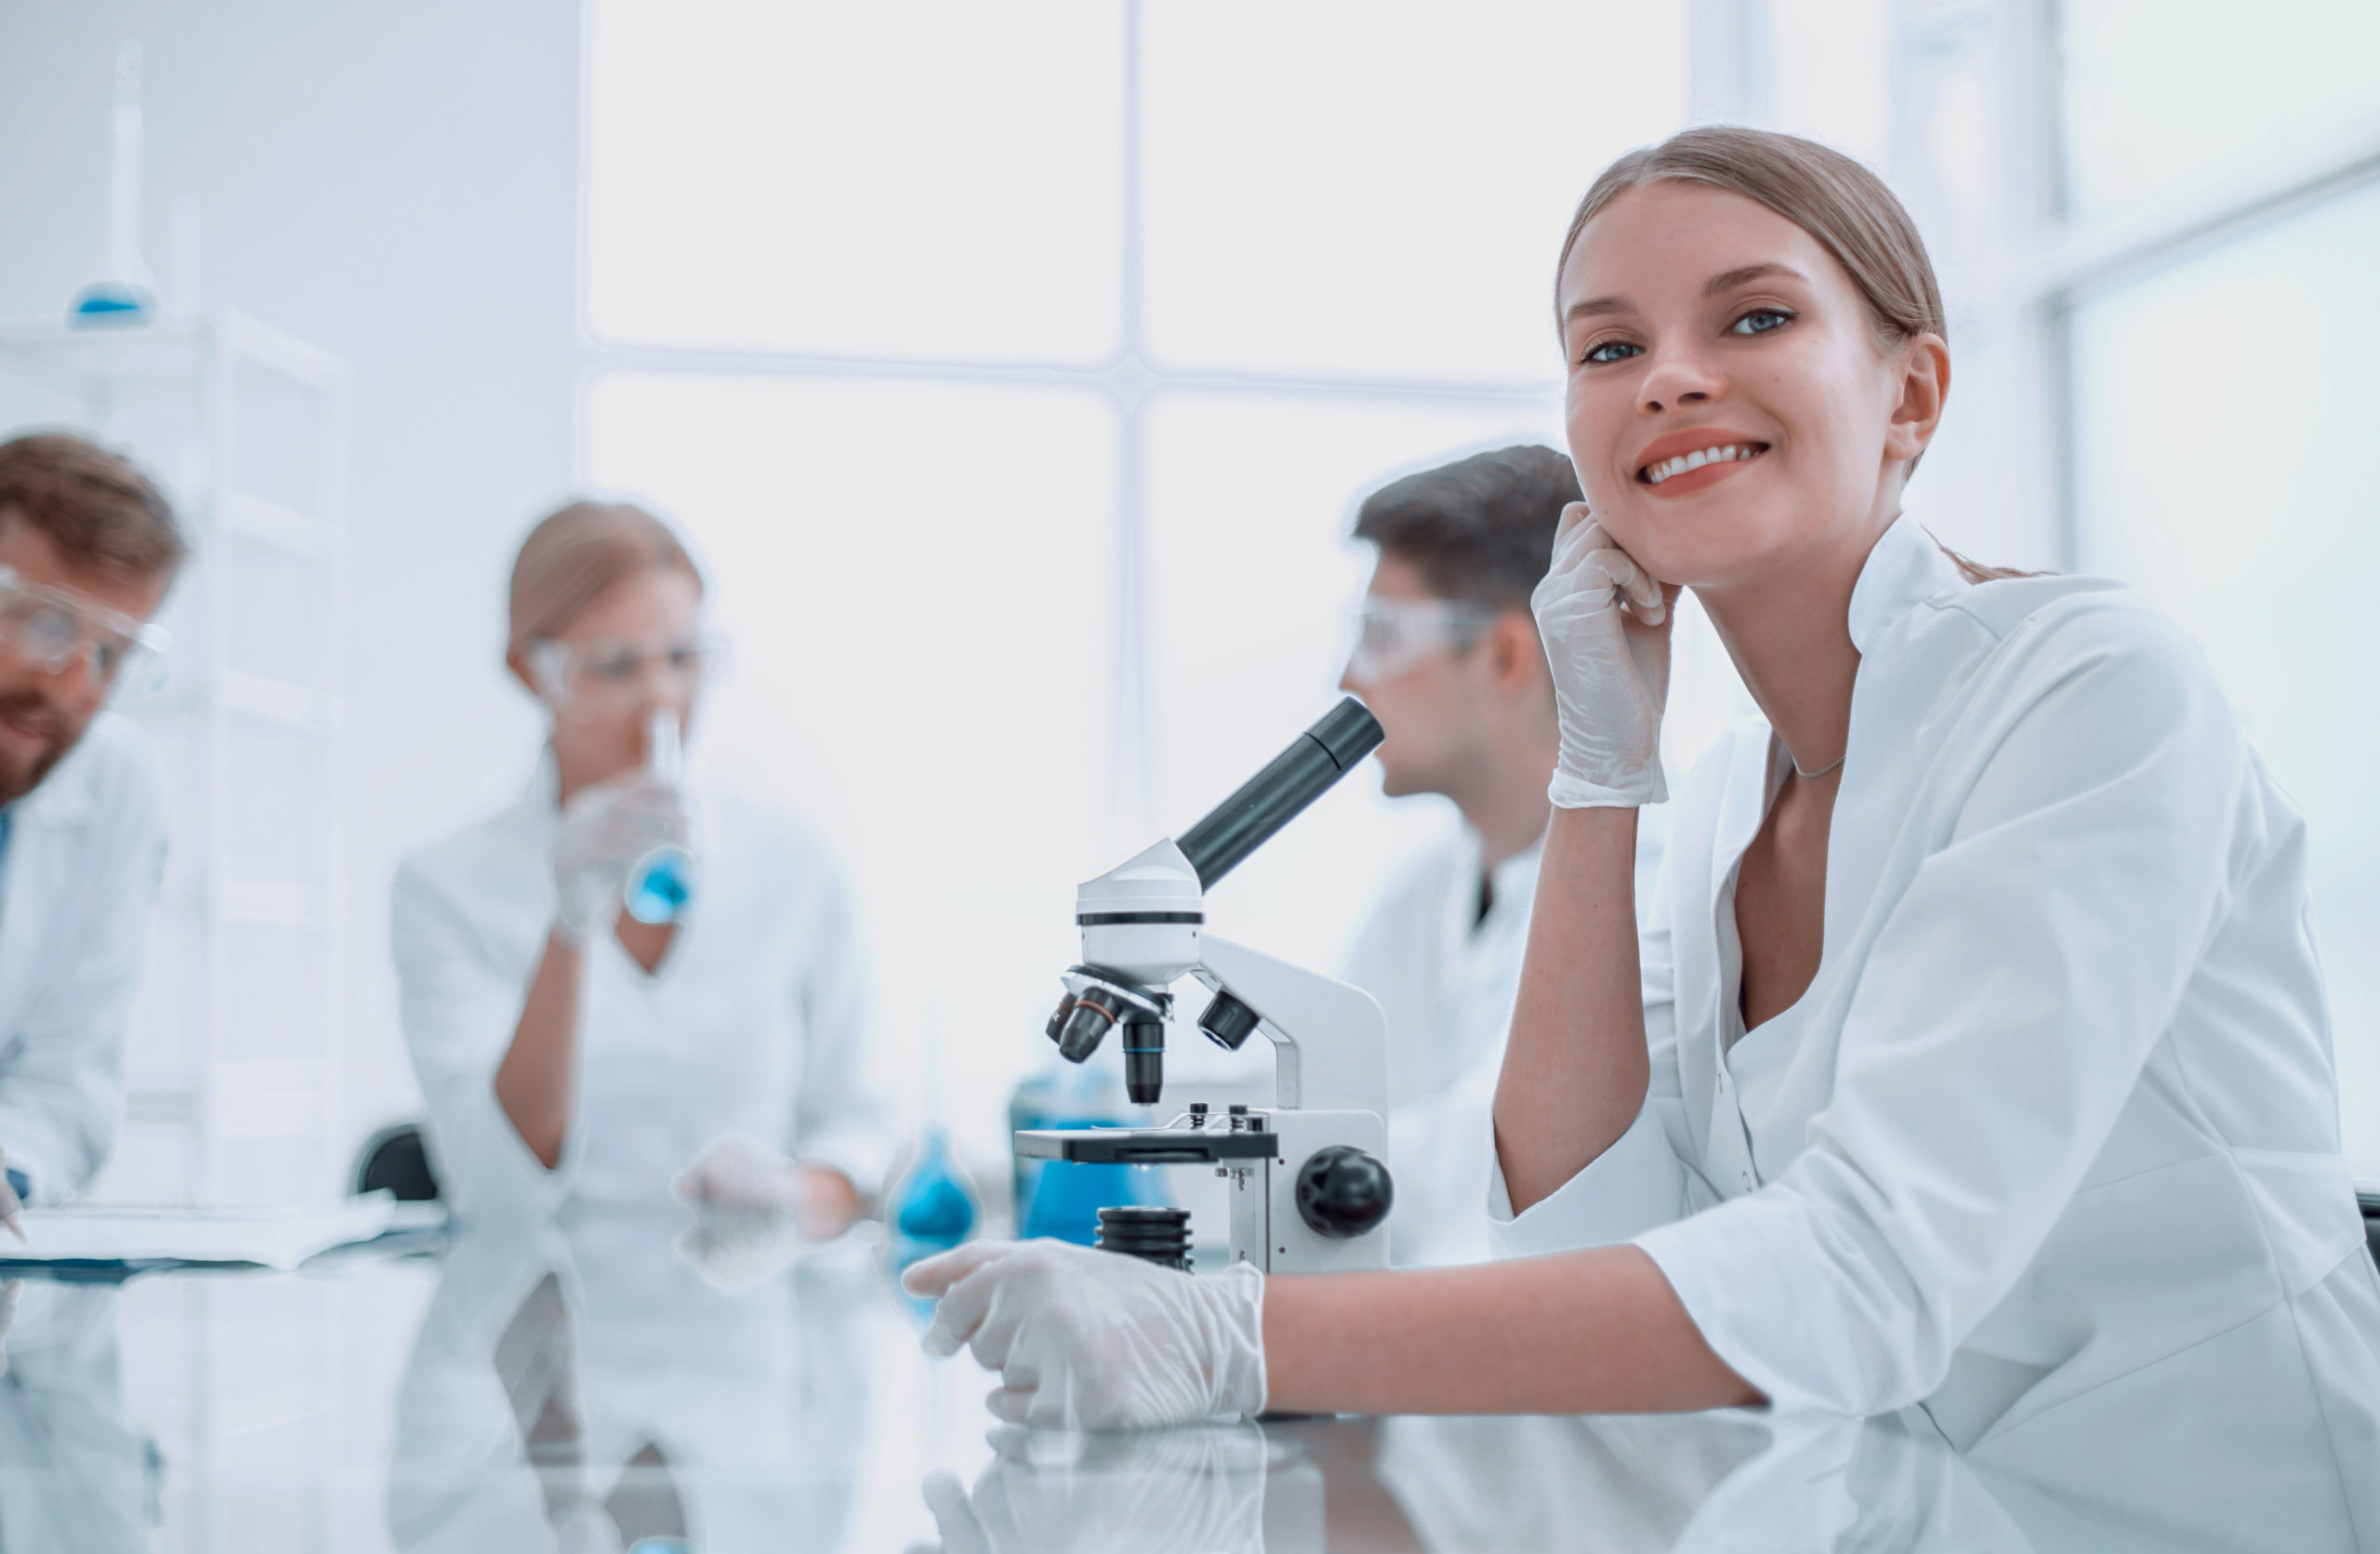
396 1159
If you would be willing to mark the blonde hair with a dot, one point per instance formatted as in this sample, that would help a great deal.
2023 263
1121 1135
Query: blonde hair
575 553
1849 212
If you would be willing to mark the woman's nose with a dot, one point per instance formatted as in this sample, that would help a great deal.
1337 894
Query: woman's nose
1679 377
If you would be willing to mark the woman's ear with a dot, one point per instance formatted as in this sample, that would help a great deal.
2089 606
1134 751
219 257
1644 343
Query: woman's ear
1924 386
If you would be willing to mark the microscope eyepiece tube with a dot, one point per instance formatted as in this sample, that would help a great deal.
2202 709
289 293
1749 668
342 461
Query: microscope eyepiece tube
1276 795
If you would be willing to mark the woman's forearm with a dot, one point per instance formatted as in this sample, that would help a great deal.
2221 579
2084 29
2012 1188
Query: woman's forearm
1575 1068
535 1081
1597 1331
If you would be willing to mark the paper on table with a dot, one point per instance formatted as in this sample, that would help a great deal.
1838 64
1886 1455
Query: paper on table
276 1238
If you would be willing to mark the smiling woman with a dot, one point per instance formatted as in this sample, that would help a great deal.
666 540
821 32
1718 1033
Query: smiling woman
2040 1015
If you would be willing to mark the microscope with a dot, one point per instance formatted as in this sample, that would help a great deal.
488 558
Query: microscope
1309 1193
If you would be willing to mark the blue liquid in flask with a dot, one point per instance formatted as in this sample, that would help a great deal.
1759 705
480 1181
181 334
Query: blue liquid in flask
661 887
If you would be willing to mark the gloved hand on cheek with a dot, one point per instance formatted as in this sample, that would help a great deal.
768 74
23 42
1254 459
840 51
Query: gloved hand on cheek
1605 624
1096 1340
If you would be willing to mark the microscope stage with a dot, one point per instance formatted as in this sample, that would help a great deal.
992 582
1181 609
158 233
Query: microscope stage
1145 1145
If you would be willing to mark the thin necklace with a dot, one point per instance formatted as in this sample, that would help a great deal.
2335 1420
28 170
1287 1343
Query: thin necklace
1822 771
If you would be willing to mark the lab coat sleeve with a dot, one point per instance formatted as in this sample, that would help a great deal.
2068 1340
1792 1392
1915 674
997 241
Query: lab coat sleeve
62 1094
2000 1019
459 1011
843 1114
1641 1179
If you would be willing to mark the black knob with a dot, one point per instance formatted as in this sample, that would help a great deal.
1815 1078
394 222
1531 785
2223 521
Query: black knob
1228 1022
1343 1192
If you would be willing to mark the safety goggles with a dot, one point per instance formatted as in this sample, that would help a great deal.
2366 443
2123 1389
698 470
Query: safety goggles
53 628
1390 636
608 672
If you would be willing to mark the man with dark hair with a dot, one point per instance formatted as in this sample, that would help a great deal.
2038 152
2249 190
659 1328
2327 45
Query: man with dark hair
87 549
1447 658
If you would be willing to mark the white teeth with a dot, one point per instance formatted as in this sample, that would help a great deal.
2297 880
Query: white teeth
1694 460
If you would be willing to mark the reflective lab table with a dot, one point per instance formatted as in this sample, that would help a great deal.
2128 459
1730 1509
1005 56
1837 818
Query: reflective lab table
613 1380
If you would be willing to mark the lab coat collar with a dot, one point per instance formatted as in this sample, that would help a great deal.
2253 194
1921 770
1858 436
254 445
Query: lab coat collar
1904 570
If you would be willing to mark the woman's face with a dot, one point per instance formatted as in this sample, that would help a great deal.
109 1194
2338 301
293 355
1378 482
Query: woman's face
1698 322
636 649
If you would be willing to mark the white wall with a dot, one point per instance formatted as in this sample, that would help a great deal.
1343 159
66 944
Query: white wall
396 183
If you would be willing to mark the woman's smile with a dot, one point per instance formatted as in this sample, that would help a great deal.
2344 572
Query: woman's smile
1684 462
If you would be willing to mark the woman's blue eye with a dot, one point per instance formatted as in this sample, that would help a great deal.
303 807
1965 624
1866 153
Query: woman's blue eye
1609 352
1761 320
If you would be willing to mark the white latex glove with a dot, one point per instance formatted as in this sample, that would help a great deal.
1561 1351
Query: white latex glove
1605 623
12 1213
1201 1489
1096 1340
606 830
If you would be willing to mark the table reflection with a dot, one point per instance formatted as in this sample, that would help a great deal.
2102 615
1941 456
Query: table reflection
589 1386
1739 1482
74 1472
629 1383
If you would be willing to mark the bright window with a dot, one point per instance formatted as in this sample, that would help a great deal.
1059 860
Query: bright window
1018 370
2222 405
2154 92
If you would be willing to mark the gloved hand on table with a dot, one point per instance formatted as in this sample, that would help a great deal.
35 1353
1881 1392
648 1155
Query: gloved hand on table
1605 623
606 830
11 1210
1096 1340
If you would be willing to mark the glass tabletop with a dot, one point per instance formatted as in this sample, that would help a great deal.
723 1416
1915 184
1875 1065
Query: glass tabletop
631 1383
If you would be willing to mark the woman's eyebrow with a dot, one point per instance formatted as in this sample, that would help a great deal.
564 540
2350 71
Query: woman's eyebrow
1728 280
1595 305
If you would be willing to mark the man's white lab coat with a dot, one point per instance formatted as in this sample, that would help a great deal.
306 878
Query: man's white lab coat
86 850
2054 1134
756 1023
1446 976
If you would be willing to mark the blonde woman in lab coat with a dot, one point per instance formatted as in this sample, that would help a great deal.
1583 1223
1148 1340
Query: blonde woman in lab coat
1974 1061
570 1051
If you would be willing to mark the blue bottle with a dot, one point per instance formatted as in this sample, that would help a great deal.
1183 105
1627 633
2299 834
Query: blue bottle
933 1209
1060 1199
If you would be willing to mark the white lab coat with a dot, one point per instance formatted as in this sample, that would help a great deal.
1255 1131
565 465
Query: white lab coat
86 851
1445 976
757 1022
2053 1133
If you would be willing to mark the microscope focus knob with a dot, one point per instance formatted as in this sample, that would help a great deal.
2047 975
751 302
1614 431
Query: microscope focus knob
1343 1192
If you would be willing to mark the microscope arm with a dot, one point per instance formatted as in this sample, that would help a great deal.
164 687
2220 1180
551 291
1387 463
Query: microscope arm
1330 1040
